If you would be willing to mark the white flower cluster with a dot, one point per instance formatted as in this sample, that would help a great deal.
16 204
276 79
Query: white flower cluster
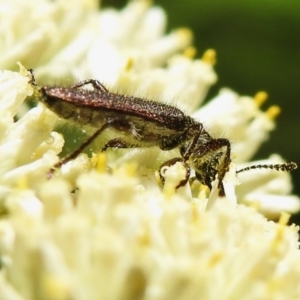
92 233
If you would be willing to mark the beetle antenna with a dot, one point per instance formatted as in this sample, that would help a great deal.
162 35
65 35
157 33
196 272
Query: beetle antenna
286 167
32 79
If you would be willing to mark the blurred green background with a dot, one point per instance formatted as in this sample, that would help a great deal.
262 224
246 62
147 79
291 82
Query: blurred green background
258 48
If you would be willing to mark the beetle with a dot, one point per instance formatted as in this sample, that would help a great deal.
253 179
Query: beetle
141 123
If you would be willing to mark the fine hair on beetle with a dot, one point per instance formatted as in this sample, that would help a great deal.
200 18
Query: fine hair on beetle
142 123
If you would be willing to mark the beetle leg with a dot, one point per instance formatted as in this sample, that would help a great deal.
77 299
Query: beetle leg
117 143
219 161
172 162
97 85
75 153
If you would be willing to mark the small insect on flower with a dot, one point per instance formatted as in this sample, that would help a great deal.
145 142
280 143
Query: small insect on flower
141 123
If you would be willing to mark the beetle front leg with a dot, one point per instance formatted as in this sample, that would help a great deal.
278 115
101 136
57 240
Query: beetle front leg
172 162
214 159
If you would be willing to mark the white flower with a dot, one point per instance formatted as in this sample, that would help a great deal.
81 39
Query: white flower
103 227
246 126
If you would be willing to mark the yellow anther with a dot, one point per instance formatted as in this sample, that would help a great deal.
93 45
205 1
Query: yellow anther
126 170
282 222
255 204
284 219
260 98
168 191
101 162
203 192
184 33
194 213
190 52
144 238
210 56
145 3
129 64
215 259
22 183
23 71
158 179
55 287
273 112
90 4
131 169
